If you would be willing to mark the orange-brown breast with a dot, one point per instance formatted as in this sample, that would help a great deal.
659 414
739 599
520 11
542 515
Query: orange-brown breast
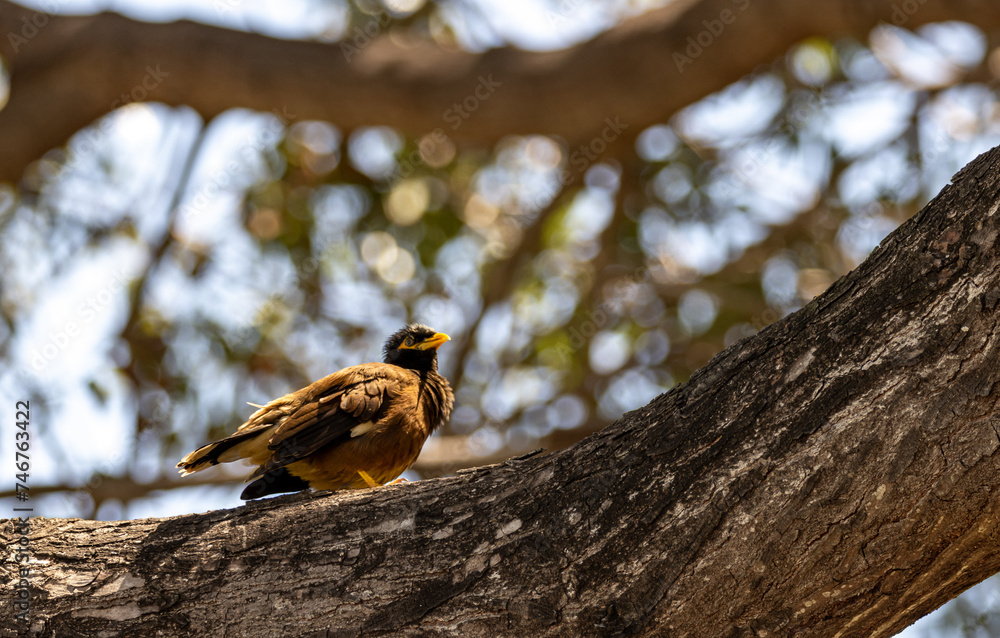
385 451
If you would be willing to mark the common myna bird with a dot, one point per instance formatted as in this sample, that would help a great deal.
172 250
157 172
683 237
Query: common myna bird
360 427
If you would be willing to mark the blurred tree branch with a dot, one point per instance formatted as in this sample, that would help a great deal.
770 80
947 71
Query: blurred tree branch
445 456
66 72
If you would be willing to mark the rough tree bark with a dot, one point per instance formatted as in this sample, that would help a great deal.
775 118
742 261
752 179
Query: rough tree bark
66 72
835 475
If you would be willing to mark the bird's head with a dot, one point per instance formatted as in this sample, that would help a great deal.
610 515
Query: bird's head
414 347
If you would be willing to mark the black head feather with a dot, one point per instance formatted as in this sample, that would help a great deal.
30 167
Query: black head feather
403 348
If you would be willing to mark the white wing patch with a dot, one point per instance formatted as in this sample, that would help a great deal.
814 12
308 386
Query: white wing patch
362 428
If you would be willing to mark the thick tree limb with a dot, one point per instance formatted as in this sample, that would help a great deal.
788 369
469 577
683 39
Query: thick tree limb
835 475
69 71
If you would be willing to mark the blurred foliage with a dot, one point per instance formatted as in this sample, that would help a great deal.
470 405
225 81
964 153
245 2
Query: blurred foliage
240 259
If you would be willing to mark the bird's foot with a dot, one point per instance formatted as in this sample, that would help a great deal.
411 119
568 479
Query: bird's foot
367 478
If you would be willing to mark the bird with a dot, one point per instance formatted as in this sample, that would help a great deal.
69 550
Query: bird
360 427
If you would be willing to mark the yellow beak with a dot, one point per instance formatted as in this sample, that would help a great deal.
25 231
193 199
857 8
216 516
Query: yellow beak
435 341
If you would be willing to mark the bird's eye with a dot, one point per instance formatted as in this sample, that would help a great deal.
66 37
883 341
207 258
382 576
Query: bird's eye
408 341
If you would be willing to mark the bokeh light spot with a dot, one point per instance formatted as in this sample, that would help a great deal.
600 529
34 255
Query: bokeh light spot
408 201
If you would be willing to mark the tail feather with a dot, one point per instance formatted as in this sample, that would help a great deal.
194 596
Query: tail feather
241 445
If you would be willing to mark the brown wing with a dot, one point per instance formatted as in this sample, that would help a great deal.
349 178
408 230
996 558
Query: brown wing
330 409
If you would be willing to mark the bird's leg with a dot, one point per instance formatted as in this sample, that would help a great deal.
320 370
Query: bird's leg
397 481
367 478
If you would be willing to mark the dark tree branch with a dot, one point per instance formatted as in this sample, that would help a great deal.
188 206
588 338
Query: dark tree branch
70 71
445 456
835 475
